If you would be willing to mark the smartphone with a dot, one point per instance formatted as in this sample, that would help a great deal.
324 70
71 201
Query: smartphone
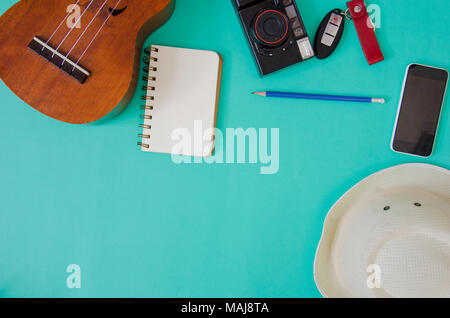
419 110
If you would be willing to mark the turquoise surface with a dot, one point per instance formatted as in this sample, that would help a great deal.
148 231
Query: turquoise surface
139 225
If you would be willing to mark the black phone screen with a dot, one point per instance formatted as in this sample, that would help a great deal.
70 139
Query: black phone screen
420 109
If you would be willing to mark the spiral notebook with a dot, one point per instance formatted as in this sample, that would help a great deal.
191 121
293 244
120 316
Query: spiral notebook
181 101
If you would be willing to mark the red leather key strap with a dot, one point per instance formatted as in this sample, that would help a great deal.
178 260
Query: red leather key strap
366 31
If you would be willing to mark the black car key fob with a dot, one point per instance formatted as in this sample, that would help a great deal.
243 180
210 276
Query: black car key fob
329 34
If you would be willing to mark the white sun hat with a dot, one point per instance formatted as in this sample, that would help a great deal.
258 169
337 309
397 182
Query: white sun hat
388 236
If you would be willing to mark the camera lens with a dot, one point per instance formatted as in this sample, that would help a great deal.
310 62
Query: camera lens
271 27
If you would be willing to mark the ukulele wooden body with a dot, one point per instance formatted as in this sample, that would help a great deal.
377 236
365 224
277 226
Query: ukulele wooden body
108 37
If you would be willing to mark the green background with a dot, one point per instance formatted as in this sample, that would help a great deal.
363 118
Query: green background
141 226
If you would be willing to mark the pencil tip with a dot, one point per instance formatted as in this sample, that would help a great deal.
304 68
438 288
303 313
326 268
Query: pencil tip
260 93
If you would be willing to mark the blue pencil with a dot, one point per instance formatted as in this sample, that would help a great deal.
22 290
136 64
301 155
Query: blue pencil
322 97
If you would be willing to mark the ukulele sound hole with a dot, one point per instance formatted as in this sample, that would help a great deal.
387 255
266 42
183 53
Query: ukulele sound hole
116 12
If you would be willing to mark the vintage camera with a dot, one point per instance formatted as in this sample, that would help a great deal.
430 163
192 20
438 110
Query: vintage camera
275 32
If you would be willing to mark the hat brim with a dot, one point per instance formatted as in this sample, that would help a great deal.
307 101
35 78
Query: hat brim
423 177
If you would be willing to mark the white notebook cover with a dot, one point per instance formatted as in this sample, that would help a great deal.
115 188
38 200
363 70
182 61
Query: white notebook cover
185 97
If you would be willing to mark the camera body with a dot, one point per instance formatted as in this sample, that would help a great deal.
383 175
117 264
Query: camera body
275 32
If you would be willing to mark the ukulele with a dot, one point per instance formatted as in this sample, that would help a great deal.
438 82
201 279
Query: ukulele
77 61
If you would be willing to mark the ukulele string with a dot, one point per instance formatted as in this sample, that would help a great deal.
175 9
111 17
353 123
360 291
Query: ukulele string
71 29
96 34
84 31
59 26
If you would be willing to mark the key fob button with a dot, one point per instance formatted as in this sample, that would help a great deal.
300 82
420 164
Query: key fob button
329 34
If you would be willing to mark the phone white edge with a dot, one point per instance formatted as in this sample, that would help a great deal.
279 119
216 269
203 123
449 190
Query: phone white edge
400 107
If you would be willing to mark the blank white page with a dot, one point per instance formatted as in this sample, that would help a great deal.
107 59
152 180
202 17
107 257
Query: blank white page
186 87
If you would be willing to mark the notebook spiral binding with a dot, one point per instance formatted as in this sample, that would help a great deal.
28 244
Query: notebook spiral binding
148 59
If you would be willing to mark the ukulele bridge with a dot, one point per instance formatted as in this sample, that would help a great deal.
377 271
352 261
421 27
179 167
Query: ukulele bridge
62 62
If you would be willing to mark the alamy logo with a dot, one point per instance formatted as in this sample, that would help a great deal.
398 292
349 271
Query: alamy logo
250 146
374 12
74 17
374 279
74 279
